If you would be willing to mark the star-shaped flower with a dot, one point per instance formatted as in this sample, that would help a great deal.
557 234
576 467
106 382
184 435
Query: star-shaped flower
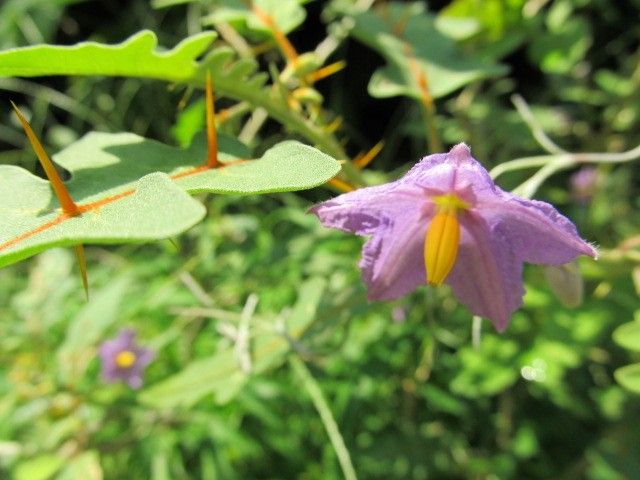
123 359
447 221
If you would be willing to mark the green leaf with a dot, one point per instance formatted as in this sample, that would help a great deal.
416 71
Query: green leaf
220 375
628 335
118 159
488 370
107 168
287 15
137 56
156 208
410 41
39 468
85 466
629 377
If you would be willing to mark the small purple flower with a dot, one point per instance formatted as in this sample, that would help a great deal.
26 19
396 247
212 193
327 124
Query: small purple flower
584 184
399 314
123 359
446 221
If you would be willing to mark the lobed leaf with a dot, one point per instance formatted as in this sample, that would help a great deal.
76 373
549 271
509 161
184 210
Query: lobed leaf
134 189
412 41
138 56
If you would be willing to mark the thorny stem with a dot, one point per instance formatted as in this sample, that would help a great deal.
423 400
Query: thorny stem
283 114
330 425
291 119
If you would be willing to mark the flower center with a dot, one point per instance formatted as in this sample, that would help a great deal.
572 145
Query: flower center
443 237
125 359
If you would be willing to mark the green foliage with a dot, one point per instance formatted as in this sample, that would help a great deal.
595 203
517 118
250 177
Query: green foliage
114 172
411 41
627 335
239 298
221 374
135 57
156 208
287 15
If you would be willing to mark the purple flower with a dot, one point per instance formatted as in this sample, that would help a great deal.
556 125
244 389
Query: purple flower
446 221
123 359
584 184
399 314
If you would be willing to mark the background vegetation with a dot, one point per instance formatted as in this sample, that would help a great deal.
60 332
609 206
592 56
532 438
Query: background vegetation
254 308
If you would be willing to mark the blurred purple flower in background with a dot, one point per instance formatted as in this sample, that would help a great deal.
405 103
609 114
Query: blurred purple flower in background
446 221
123 359
584 184
399 314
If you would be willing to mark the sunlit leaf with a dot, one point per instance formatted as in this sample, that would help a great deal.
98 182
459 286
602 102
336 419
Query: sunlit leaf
409 40
153 207
628 335
629 377
39 468
138 56
106 171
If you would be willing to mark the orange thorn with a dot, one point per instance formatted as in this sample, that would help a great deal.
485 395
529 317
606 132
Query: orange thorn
325 72
82 264
223 115
334 125
362 161
212 137
288 50
341 185
66 202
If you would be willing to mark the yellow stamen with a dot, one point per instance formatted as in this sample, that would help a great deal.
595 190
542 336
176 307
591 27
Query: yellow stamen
125 359
442 239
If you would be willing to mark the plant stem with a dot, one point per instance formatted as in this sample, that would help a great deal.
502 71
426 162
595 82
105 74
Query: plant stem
313 389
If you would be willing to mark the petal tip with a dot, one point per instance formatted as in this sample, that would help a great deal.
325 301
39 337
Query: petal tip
592 251
461 150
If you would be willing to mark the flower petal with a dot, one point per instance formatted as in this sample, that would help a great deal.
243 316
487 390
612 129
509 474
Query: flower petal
365 210
487 276
535 230
392 260
396 215
456 171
